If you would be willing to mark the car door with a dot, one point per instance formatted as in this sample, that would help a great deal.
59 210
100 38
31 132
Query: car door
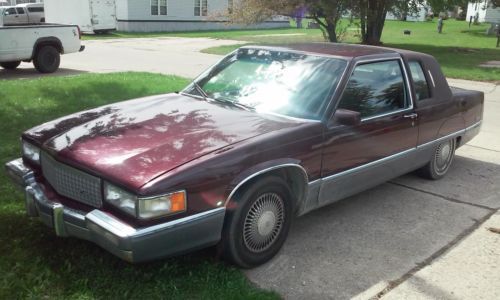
10 16
22 16
379 147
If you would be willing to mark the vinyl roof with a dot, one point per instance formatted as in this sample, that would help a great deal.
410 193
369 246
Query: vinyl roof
335 49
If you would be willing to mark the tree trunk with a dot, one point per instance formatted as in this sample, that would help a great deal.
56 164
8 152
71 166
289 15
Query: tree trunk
376 12
362 16
328 27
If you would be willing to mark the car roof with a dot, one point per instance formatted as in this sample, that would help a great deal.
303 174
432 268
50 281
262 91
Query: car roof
333 49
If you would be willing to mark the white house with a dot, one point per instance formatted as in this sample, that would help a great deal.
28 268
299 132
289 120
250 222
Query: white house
484 11
422 11
180 15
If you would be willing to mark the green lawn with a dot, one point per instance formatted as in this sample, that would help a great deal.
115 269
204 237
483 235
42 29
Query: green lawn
36 264
459 49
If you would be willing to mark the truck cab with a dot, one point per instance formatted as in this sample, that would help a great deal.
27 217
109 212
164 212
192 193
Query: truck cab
23 14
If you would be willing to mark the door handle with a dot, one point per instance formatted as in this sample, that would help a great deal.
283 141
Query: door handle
412 116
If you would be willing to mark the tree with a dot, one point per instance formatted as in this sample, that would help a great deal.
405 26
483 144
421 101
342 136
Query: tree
326 13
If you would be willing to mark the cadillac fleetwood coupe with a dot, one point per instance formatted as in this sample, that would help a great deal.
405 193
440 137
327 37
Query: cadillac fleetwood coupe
266 134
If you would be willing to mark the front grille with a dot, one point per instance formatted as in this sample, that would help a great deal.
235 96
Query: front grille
72 183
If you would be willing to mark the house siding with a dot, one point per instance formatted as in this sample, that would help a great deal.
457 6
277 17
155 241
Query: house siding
135 16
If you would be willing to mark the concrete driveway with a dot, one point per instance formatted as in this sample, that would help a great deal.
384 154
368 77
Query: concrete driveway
166 55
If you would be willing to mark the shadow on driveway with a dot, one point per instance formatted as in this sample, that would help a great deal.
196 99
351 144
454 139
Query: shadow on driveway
31 73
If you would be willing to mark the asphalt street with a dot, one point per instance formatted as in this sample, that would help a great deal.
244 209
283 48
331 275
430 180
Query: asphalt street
409 238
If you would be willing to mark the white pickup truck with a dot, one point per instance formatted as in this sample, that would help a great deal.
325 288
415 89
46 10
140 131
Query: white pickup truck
41 43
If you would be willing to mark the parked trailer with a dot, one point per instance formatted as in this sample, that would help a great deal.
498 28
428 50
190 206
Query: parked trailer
92 16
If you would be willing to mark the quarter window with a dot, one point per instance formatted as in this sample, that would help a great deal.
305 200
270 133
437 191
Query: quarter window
159 7
375 89
20 11
419 81
201 7
35 9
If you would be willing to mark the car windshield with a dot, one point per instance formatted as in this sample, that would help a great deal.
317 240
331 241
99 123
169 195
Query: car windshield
281 82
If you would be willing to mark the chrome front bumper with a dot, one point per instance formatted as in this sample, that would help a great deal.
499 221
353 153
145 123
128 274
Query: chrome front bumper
129 243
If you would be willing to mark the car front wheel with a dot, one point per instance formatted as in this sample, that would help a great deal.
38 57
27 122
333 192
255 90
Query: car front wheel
440 162
258 224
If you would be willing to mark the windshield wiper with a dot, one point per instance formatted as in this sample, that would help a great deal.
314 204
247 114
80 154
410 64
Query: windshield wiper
235 104
200 90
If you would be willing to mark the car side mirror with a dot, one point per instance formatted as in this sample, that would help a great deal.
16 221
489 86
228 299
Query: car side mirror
346 117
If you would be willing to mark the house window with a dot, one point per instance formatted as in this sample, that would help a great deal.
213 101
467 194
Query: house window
159 7
200 7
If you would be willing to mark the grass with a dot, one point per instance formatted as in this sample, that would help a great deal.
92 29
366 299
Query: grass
36 264
458 49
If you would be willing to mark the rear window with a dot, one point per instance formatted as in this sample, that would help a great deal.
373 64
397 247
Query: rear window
419 81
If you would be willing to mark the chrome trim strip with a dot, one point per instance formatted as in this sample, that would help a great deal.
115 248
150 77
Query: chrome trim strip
441 139
110 223
387 114
372 163
432 78
474 125
262 172
154 228
120 229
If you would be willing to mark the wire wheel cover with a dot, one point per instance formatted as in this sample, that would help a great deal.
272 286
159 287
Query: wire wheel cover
263 222
443 156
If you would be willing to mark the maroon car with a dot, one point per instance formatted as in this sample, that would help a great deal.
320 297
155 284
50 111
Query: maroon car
266 134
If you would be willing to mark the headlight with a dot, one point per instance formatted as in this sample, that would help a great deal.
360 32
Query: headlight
145 208
121 199
31 152
162 205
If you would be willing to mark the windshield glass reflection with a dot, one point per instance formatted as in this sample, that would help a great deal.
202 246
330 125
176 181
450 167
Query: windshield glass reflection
291 84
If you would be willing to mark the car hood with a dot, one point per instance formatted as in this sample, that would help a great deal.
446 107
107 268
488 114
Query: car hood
133 142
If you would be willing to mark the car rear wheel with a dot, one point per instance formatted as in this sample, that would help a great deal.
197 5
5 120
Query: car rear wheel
47 59
10 65
440 162
258 225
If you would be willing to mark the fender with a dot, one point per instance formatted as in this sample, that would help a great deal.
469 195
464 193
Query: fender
268 166
49 40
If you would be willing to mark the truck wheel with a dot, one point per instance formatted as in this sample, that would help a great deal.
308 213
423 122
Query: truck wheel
440 162
256 228
10 65
47 59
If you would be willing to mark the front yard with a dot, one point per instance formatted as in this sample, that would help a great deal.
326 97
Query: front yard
37 264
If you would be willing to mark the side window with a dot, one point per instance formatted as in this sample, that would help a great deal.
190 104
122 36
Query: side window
20 10
35 9
11 11
419 81
375 88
